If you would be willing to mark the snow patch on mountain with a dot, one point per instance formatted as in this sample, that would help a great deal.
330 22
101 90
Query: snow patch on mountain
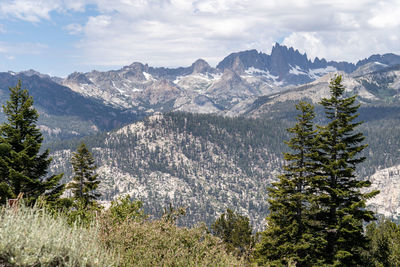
148 76
262 79
312 73
296 70
254 71
379 63
207 77
122 92
316 73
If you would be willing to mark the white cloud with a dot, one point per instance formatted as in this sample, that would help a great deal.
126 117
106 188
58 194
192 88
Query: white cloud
343 46
74 28
11 49
36 10
385 15
29 10
176 32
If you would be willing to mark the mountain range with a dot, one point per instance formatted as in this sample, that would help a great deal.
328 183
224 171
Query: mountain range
104 100
226 156
202 88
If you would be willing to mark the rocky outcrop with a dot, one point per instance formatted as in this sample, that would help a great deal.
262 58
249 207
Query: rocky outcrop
289 65
387 202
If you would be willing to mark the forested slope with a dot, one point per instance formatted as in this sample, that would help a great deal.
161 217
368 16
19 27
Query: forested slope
209 163
202 162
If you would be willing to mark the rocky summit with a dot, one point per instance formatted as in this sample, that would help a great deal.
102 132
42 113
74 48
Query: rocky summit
202 88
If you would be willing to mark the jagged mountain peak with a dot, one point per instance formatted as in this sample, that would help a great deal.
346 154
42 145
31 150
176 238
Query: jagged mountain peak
78 77
241 61
283 48
389 59
32 72
320 61
283 59
201 66
137 66
376 63
288 64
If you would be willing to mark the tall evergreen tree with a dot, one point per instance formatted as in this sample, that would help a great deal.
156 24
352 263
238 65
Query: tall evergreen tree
84 183
288 237
22 167
340 196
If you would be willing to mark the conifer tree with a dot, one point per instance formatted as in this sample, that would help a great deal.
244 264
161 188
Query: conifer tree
384 246
341 199
288 238
235 230
5 186
22 167
84 183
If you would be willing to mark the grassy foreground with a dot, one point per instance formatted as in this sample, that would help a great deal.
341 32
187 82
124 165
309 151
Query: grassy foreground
34 237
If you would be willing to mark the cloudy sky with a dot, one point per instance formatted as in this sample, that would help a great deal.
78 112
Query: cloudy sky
61 36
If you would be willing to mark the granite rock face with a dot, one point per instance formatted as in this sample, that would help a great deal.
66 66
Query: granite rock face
387 202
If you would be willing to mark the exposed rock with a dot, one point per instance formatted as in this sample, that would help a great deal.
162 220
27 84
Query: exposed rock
195 161
201 66
387 202
238 77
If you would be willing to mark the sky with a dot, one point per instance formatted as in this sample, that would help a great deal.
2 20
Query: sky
58 37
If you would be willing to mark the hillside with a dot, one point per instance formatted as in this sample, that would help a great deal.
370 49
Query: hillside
202 162
208 163
376 88
63 112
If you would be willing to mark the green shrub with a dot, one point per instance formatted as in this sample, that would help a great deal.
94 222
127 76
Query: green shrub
235 230
162 243
81 215
123 208
33 237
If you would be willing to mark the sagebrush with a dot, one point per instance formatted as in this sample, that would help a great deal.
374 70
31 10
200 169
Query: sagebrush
33 237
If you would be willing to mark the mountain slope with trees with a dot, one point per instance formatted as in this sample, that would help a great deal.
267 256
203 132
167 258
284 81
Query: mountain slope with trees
63 112
208 163
205 163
